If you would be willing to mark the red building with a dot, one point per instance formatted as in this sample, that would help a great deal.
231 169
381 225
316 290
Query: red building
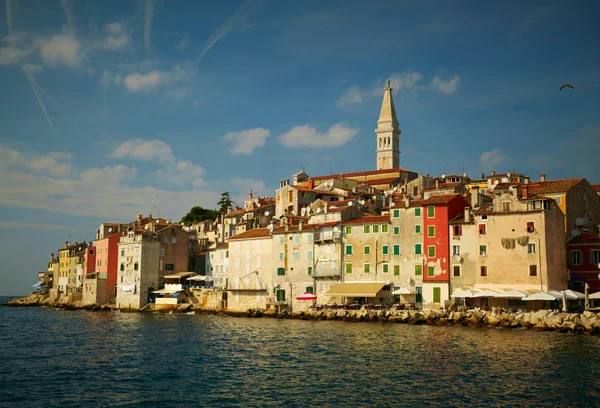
584 261
90 261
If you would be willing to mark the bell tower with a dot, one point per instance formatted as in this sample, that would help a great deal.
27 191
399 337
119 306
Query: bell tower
388 133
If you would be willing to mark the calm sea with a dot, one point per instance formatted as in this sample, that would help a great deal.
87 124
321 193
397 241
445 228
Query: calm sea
84 359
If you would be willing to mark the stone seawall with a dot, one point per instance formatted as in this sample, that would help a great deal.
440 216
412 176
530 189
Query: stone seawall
543 320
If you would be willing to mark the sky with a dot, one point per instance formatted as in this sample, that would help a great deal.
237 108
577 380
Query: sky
114 108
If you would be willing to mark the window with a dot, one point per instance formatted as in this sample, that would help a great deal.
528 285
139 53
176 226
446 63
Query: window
348 268
348 230
430 211
396 213
396 230
437 295
417 229
296 255
575 258
280 271
310 255
506 206
310 270
122 252
457 230
281 256
122 267
483 271
366 250
396 270
162 252
396 249
310 238
169 267
531 226
594 257
481 229
384 228
385 250
161 265
348 249
135 266
375 229
430 271
482 250
91 252
456 270
532 270
531 248
456 250
418 270
385 268
431 231
280 294
417 212
296 239
417 249
366 229
431 251
419 297
310 289
367 268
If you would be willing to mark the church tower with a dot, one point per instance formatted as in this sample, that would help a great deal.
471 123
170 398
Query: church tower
388 133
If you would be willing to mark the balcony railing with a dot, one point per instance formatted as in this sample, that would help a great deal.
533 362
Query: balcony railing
326 270
319 236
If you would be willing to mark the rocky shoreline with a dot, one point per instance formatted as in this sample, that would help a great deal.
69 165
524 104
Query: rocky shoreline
587 322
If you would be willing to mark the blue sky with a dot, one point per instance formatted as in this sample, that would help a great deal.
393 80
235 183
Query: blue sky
114 108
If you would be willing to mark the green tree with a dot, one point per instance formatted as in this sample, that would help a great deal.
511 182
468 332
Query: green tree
198 214
224 203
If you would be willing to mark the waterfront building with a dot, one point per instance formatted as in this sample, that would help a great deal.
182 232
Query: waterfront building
249 270
584 262
217 265
138 271
76 252
52 272
63 269
100 285
174 252
517 242
596 187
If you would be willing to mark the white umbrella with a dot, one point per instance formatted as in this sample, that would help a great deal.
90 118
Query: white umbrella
511 294
542 296
463 293
486 293
587 296
403 291
594 296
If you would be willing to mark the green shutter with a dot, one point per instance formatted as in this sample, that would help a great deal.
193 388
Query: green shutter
430 271
417 212
418 270
348 268
384 228
419 298
431 231
417 249
367 250
396 270
310 270
396 249
437 295
396 230
348 230
431 251
417 229
385 268
375 229
367 229
367 268
385 250
280 295
310 290
430 212
280 271
396 213
348 249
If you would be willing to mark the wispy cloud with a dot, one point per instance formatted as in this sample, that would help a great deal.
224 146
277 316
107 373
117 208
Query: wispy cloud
353 95
62 49
66 6
184 43
491 159
446 87
234 20
148 24
9 20
14 224
56 163
116 38
246 141
306 136
138 82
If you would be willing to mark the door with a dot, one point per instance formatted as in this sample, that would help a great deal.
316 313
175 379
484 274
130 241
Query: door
419 297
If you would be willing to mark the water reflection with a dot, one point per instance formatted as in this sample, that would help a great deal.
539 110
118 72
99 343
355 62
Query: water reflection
121 359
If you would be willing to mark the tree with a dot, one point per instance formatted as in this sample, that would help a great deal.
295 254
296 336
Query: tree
198 214
224 203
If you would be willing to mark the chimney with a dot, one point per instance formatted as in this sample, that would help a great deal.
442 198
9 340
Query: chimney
300 224
526 180
52 257
524 192
493 173
542 177
437 184
475 197
139 218
467 214
311 184
66 244
407 201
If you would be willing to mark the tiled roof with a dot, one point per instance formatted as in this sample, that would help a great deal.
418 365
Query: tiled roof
553 186
374 219
504 175
223 246
235 212
315 191
596 187
434 200
387 180
505 186
443 186
460 219
360 174
253 233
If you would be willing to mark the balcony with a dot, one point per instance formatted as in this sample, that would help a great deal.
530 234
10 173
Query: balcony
319 236
326 269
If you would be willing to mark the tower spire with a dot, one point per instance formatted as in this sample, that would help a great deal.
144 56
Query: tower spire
388 132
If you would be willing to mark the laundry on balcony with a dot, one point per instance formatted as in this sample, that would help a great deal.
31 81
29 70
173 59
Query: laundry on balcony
508 243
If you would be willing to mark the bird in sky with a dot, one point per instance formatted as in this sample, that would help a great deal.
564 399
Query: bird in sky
566 86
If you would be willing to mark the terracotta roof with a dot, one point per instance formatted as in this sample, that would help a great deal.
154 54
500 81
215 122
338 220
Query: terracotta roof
553 186
387 180
505 186
460 219
442 186
374 219
505 174
361 173
312 190
222 246
253 233
434 200
235 212
596 187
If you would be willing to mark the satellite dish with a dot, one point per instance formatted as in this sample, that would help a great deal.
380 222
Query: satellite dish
350 204
146 227
110 230
267 213
302 211
258 205
392 204
579 222
157 221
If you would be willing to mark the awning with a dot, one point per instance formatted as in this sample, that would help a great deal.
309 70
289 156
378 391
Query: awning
179 275
486 293
355 289
403 291
37 285
164 291
542 296
512 294
201 278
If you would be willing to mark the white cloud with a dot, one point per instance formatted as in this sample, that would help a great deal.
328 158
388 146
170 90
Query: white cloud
405 81
246 141
491 159
56 164
109 175
109 79
446 87
137 82
352 95
117 38
8 156
182 173
68 14
178 94
146 150
306 136
12 54
62 49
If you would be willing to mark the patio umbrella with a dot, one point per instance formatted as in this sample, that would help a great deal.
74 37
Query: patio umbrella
306 296
463 294
403 291
511 294
587 296
486 293
542 296
594 296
